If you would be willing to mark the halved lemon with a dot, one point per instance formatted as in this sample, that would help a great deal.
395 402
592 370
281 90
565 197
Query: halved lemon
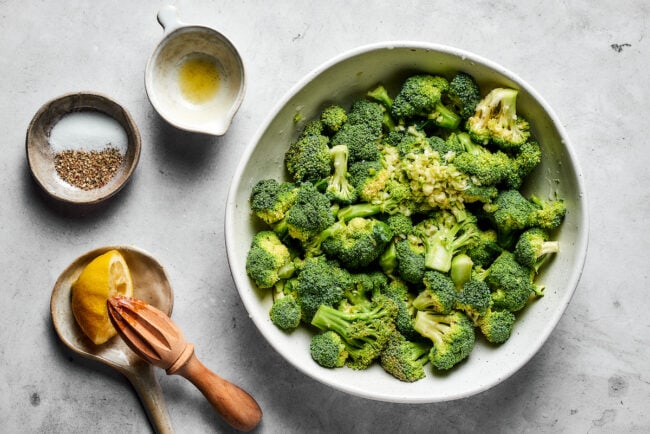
105 276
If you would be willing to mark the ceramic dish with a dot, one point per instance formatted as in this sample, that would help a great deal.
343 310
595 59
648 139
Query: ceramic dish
41 153
340 81
195 77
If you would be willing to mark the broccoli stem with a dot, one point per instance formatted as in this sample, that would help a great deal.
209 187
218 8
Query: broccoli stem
380 94
432 329
358 210
388 259
549 247
444 117
287 270
313 246
436 256
461 269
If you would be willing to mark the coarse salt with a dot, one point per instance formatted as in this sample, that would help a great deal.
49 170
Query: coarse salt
88 130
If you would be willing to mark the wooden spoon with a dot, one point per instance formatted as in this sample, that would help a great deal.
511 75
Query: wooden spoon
151 334
150 283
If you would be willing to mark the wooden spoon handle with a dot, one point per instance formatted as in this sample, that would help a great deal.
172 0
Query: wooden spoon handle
234 404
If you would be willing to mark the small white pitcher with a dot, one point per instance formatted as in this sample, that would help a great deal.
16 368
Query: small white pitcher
213 113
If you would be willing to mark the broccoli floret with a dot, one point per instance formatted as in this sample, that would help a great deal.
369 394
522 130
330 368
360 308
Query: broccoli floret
393 137
359 243
395 197
365 288
496 120
445 234
308 158
485 194
534 248
285 311
339 189
484 249
270 199
497 325
421 96
511 283
438 295
483 166
456 141
512 213
313 127
413 140
369 113
332 118
360 139
410 259
548 214
398 291
444 148
381 187
310 214
523 163
362 131
404 359
474 299
401 225
452 336
320 282
268 260
369 178
463 94
328 350
365 332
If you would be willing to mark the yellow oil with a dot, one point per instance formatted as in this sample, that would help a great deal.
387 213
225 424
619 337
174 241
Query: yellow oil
199 79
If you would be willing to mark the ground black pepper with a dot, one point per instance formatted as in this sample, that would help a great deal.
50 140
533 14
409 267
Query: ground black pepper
88 169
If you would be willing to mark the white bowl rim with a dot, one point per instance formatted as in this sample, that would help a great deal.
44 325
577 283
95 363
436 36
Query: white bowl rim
165 112
582 236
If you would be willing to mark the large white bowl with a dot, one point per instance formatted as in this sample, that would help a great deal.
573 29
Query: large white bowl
343 79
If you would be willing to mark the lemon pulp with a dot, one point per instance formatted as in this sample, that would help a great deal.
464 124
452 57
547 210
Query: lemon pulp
105 276
198 78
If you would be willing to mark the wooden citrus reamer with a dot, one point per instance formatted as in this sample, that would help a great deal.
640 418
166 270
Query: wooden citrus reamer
152 335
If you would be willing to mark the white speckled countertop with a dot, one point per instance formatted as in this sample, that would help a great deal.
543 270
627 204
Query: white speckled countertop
588 59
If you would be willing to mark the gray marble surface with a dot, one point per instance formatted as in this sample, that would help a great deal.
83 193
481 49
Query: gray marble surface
588 59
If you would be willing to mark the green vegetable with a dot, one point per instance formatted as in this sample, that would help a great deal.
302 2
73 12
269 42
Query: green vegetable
308 158
270 199
497 325
421 96
339 189
405 360
364 330
511 283
496 120
534 248
268 260
452 336
401 229
438 295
